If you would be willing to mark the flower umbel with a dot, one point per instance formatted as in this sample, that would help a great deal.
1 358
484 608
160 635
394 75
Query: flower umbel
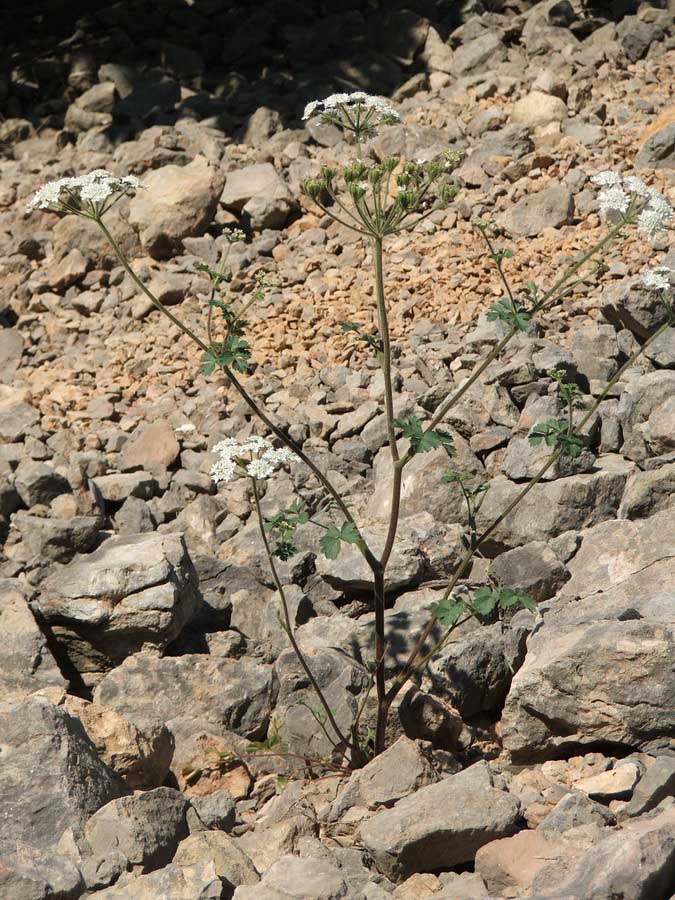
254 457
358 112
85 195
658 279
628 196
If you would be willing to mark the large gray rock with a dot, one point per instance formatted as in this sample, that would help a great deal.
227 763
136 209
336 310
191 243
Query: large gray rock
648 492
231 864
58 540
533 568
260 193
629 304
192 694
297 878
52 777
657 783
635 863
474 672
27 873
616 610
145 827
658 151
550 509
198 882
133 593
440 826
549 208
37 482
27 665
645 412
177 202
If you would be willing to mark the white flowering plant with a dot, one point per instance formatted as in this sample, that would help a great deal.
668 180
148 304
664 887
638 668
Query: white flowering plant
378 199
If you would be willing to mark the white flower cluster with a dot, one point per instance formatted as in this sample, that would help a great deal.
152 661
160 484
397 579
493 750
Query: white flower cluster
254 457
337 103
93 189
658 279
616 197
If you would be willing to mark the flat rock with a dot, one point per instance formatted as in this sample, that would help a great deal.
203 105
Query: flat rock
616 784
29 873
537 108
549 208
440 826
153 450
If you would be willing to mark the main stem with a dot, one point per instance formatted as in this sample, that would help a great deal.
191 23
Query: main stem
340 737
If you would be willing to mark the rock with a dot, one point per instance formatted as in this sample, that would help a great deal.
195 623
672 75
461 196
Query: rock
648 492
141 757
628 304
573 810
659 430
51 774
27 873
533 568
191 694
153 450
635 862
16 418
215 811
134 517
71 269
401 770
643 405
260 193
537 109
440 826
117 487
99 99
583 657
176 203
296 878
616 784
146 827
59 539
657 783
260 127
198 882
422 490
37 482
437 56
550 509
658 143
636 36
509 866
230 863
474 672
28 665
132 593
11 351
466 886
476 53
549 208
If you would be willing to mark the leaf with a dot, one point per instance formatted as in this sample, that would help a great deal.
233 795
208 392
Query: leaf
453 477
484 601
209 362
350 326
510 597
349 533
515 314
284 550
422 441
330 543
448 611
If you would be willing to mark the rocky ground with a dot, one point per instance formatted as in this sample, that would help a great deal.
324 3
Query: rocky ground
143 650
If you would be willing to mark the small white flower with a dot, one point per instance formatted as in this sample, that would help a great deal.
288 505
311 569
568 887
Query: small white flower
341 104
654 216
636 186
89 191
254 457
658 279
613 199
606 179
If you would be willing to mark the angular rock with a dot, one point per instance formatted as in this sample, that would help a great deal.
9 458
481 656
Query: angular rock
573 810
27 873
533 568
259 192
153 450
58 540
215 811
37 482
140 757
52 777
198 882
28 665
145 827
440 826
16 418
648 492
476 53
192 694
176 203
616 784
230 862
132 593
549 208
635 862
401 770
657 783
538 108
117 487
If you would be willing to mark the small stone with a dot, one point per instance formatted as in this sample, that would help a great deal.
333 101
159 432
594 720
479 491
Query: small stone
549 208
153 449
538 109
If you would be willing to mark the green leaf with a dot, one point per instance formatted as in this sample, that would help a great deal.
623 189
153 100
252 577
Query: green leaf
515 314
453 477
330 543
448 611
349 533
485 600
284 550
509 597
209 362
422 441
